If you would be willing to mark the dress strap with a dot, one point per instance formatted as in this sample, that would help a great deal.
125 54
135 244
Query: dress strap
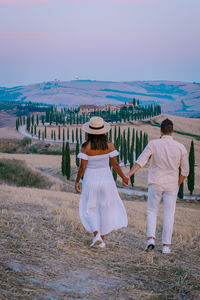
113 153
82 156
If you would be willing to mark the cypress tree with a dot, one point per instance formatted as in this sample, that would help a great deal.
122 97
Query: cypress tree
63 134
128 142
50 118
51 134
114 174
59 133
43 135
39 134
124 135
181 188
144 141
125 151
32 120
45 132
68 161
37 120
28 123
141 142
63 162
115 134
17 124
132 178
133 138
76 134
137 146
32 130
68 134
191 176
35 130
54 135
119 134
80 136
20 121
72 135
110 135
121 148
77 152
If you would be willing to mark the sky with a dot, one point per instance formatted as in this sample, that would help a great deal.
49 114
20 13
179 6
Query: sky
108 40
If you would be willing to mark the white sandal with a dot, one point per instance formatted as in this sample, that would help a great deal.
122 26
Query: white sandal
96 240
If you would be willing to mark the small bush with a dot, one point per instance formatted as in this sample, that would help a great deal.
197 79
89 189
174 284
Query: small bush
26 141
50 152
16 172
33 149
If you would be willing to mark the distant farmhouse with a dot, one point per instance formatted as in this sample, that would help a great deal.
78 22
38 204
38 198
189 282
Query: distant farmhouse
87 109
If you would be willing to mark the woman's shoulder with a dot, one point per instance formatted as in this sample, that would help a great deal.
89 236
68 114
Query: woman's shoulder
111 146
84 147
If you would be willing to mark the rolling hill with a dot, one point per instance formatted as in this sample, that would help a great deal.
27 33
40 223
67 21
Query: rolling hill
179 98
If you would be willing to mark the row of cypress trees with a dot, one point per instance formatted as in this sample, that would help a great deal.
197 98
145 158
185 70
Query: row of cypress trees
129 150
125 113
71 116
129 147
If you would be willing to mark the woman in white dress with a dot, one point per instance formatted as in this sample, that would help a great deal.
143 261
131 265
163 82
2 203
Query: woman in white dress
101 209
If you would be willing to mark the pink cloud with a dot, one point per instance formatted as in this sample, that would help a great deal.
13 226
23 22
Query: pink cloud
23 2
137 2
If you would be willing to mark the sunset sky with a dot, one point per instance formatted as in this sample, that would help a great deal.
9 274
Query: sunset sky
118 40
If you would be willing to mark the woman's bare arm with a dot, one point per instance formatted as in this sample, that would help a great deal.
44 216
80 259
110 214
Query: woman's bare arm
118 170
81 172
181 179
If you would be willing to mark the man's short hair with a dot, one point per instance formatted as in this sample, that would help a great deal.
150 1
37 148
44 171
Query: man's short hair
167 126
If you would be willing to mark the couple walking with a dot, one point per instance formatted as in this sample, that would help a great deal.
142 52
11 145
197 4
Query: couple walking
101 209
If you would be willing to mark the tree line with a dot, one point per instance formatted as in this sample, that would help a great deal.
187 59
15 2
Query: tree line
129 147
124 114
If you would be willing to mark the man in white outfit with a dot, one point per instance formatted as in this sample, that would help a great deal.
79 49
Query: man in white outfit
166 156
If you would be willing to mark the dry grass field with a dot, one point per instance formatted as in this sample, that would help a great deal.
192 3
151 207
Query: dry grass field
44 250
45 253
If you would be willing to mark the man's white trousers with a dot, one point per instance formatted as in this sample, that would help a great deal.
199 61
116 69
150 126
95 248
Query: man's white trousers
153 203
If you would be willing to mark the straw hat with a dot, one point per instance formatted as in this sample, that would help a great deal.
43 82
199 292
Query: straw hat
96 125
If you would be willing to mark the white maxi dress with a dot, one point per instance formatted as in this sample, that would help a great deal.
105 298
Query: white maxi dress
101 209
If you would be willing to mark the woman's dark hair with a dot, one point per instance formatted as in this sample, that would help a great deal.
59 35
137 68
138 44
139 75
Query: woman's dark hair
97 141
167 126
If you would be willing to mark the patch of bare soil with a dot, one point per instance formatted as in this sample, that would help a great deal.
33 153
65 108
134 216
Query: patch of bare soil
7 119
10 133
45 252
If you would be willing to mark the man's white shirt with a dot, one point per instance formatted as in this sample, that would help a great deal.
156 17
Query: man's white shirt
167 155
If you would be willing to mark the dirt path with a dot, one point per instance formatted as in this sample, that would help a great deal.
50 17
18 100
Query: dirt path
45 253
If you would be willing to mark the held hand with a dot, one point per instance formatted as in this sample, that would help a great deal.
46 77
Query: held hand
77 187
125 181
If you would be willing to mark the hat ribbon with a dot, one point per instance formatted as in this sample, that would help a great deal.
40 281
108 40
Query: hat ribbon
96 128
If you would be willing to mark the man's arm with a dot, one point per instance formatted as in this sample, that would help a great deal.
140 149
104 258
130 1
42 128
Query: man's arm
184 164
134 169
142 159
